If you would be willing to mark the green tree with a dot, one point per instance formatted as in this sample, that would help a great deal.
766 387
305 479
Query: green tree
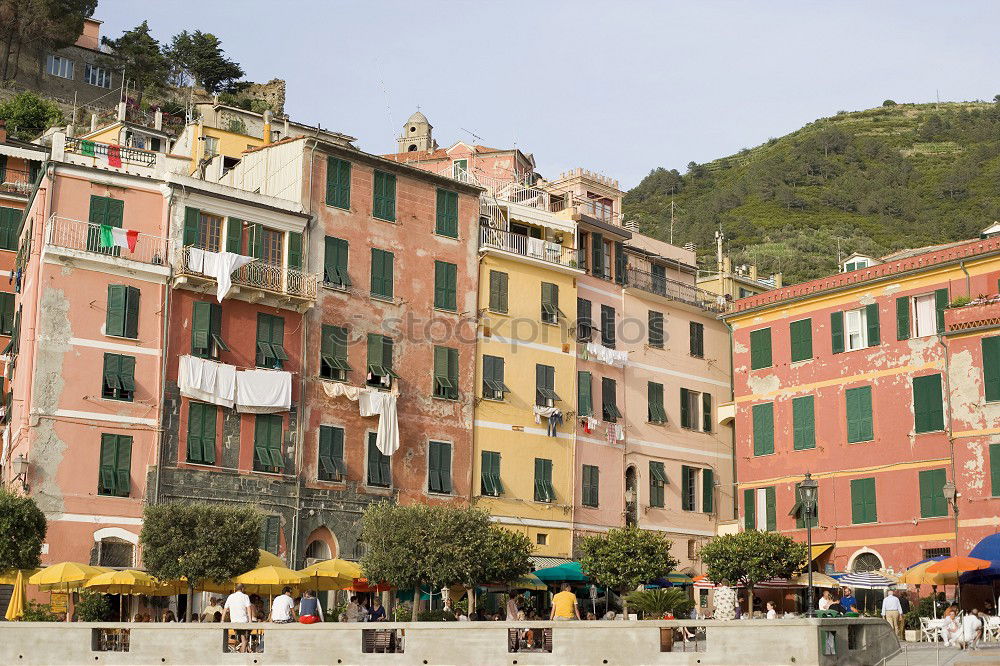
622 559
888 102
199 541
199 56
27 115
22 531
92 607
138 56
750 557
36 26
654 604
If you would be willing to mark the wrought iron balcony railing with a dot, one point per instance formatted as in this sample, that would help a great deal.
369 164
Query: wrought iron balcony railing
674 290
259 275
63 232
526 246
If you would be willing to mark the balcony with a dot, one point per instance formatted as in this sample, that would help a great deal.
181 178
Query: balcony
16 181
532 249
102 151
981 314
256 281
75 239
672 290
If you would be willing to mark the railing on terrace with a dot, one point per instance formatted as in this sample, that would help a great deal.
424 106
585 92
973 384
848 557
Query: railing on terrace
504 189
102 150
674 290
258 275
86 237
526 246
15 180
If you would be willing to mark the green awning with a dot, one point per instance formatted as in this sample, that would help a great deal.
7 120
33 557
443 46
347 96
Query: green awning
569 572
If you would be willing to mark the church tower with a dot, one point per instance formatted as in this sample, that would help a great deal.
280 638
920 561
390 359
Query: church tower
416 136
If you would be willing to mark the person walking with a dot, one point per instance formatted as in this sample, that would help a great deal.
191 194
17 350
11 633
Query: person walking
283 607
564 606
237 610
892 611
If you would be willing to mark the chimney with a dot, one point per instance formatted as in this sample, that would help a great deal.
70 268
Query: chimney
753 272
266 134
3 131
121 111
93 122
286 134
727 265
777 280
158 119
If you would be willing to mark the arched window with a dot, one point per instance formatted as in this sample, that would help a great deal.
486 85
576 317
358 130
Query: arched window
412 148
413 129
318 550
115 552
866 562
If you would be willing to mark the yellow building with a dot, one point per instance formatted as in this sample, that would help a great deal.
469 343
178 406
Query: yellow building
526 364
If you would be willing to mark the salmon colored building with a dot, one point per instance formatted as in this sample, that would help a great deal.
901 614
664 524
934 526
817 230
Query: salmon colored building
880 383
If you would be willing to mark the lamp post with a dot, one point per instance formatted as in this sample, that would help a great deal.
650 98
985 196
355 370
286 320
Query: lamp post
807 495
20 467
950 493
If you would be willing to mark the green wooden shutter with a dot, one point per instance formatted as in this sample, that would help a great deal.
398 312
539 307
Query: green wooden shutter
863 508
131 312
995 470
6 313
801 335
706 412
932 502
749 510
195 451
991 367
859 414
256 241
685 409
9 222
191 218
803 423
498 291
940 305
115 321
687 488
903 318
597 254
655 412
708 490
338 183
107 477
837 331
771 507
446 217
384 205
584 398
620 262
234 235
445 287
123 466
760 348
763 429
126 372
375 348
294 250
261 451
928 404
208 426
655 323
872 319
382 273
200 328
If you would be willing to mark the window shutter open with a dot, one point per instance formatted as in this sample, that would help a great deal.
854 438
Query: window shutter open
191 218
200 326
837 331
872 319
995 470
115 323
685 409
706 417
123 466
584 400
708 490
903 318
597 253
749 510
991 367
940 305
107 476
771 508
234 235
131 312
294 250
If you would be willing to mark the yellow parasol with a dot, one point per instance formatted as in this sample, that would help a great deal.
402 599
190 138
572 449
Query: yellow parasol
819 580
528 582
918 575
269 580
65 576
15 608
268 559
10 577
331 574
131 581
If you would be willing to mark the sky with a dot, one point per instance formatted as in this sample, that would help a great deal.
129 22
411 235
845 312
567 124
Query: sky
619 87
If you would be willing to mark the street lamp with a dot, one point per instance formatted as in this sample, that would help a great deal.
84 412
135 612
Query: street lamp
807 495
950 493
20 466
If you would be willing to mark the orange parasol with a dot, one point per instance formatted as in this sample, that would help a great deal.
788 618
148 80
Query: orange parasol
959 563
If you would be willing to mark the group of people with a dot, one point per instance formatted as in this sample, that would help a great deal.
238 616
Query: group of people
239 608
964 632
358 610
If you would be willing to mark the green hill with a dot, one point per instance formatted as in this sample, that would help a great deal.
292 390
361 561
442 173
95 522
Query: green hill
872 181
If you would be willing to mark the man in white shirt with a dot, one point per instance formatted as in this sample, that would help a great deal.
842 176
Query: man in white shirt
892 611
237 609
283 607
825 601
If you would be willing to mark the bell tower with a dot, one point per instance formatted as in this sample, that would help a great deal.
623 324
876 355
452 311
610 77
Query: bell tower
417 135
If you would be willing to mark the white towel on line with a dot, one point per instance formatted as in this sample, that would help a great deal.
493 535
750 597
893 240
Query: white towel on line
206 380
263 391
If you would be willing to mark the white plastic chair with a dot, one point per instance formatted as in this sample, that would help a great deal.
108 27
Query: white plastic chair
928 634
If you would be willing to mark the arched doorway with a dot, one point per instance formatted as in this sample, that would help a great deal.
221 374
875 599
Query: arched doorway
318 550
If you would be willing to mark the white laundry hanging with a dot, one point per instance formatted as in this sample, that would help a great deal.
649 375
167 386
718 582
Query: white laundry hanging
206 380
613 357
372 402
263 391
224 264
196 260
337 389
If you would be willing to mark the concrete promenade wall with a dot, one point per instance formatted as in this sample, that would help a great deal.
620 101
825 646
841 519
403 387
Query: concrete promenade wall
801 642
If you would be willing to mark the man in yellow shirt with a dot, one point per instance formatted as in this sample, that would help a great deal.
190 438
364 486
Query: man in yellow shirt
564 605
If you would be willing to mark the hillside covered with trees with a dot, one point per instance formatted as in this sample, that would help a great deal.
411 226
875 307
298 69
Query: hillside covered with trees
898 176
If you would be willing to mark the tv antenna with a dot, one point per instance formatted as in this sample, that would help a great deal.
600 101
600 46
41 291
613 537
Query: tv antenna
472 134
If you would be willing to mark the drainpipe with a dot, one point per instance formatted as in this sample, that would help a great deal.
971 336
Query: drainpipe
732 398
164 359
968 278
950 431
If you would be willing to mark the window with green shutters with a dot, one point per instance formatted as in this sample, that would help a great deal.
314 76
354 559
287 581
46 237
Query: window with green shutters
206 330
119 377
498 292
584 394
234 235
331 465
995 470
655 322
928 404
545 383
379 472
115 469
697 338
439 467
270 534
550 303
201 433
608 326
689 406
991 368
584 320
335 262
655 413
598 266
270 341
770 509
621 262
863 501
591 485
837 332
932 501
859 414
903 318
10 221
940 305
752 518
803 423
763 429
708 491
267 455
445 286
494 387
384 196
490 483
445 373
380 372
760 348
609 400
108 212
749 509
446 218
122 311
799 510
338 183
657 484
333 353
802 341
544 491
6 313
689 488
706 412
294 258
382 269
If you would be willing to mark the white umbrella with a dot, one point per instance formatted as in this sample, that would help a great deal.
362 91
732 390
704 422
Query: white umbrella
866 580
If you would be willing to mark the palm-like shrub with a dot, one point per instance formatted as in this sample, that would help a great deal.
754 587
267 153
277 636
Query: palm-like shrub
654 604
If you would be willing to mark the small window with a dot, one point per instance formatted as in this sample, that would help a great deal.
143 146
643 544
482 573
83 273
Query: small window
122 312
446 373
333 354
379 473
382 273
930 553
545 378
96 76
268 456
10 218
490 474
115 477
541 539
657 484
689 488
445 286
439 468
202 418
856 329
206 330
544 491
379 370
335 263
60 66
655 412
384 196
446 218
270 341
924 316
608 326
591 486
338 183
550 303
760 348
691 409
697 339
609 400
498 292
584 320
494 387
655 333
331 454
119 377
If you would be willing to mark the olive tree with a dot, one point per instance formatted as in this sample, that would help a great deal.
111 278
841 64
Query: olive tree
751 557
623 559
